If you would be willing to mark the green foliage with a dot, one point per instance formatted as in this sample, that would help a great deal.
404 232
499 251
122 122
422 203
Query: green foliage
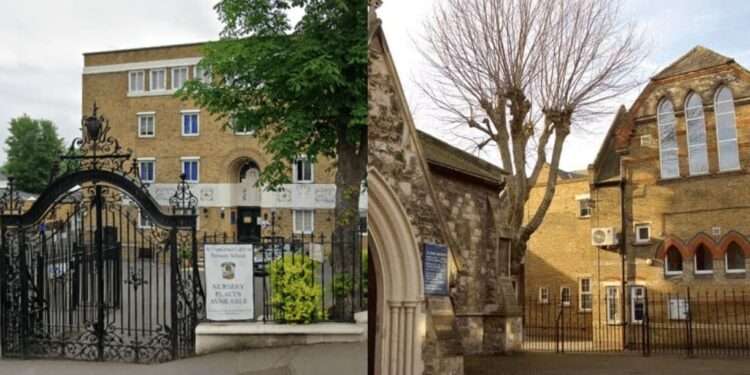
365 274
343 284
33 147
296 296
301 88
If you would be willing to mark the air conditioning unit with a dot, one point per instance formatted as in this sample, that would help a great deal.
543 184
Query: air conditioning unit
603 236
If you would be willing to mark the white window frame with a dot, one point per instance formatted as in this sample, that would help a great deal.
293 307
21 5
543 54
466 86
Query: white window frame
563 302
302 230
634 299
130 81
617 301
669 272
140 221
140 115
174 70
661 149
543 297
677 308
294 172
151 160
581 293
734 270
200 77
637 228
695 263
189 112
734 124
198 168
580 199
702 119
151 80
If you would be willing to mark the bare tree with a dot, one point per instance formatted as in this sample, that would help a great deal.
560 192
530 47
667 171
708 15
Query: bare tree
521 73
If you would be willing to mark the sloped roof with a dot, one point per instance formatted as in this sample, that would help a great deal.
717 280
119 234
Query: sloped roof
571 175
696 59
444 155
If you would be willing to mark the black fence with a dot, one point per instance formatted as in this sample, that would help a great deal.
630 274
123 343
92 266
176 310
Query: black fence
692 322
333 272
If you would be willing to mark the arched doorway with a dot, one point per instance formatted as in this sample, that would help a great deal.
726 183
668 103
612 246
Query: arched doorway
400 317
246 196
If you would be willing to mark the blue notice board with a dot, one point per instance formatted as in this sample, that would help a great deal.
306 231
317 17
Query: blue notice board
435 268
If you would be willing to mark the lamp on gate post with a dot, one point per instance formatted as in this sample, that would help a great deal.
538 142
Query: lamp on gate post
93 125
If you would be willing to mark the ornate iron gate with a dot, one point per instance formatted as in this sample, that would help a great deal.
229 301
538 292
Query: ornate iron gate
94 269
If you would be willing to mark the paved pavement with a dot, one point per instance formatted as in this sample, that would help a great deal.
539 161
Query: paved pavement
605 364
344 359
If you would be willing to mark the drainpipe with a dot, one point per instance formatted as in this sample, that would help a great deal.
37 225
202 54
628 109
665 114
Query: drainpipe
623 249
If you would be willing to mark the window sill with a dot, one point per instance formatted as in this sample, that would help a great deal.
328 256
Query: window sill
136 94
146 136
303 182
584 217
731 172
190 135
642 243
735 271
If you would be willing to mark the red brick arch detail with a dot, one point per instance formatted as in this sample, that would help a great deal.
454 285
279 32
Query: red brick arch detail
670 242
736 238
708 243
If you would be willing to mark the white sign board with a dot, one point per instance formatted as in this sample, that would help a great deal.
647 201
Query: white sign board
229 282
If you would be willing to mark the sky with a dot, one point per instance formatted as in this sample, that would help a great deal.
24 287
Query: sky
670 29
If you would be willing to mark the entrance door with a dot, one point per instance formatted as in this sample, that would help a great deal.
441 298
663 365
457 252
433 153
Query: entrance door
248 229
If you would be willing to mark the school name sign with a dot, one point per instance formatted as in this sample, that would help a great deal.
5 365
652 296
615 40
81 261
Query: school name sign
229 282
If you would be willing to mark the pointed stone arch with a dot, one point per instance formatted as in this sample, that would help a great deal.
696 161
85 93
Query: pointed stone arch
737 238
706 241
672 242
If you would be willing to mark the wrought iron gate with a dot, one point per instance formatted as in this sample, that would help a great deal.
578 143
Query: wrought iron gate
94 269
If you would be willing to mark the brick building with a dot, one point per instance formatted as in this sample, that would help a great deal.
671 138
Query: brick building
663 199
135 89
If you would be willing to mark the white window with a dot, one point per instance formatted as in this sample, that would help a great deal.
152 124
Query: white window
147 169
696 135
704 261
144 221
584 205
734 259
303 170
678 308
726 131
158 80
179 76
565 296
191 169
190 123
137 81
543 295
668 151
673 265
613 304
643 233
637 304
146 124
202 74
585 297
303 221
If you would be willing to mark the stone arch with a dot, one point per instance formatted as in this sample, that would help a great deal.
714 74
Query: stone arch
737 238
234 160
675 242
707 242
398 273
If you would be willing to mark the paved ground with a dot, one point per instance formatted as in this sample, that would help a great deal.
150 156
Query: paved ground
344 359
606 364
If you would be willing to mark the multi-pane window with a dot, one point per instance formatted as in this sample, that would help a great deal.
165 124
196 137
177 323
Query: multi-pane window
696 135
158 80
147 169
191 169
146 124
190 123
303 221
584 207
637 304
642 233
668 151
565 296
612 294
585 298
543 294
726 131
734 258
144 221
673 265
303 170
202 74
137 81
703 260
179 76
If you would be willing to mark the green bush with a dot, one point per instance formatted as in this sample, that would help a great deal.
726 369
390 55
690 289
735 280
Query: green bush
297 296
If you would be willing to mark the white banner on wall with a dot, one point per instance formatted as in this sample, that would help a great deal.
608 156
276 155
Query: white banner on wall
229 282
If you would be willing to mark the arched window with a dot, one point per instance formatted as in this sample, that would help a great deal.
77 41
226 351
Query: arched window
696 135
673 265
726 131
734 258
704 262
668 151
